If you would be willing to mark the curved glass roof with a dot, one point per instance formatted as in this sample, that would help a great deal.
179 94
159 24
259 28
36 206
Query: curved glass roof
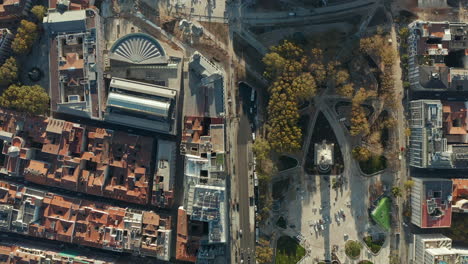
137 104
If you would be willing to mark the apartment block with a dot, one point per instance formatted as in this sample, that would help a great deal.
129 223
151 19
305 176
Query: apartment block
47 215
75 62
12 253
439 134
13 10
85 159
460 196
437 249
431 202
6 37
202 220
164 178
437 55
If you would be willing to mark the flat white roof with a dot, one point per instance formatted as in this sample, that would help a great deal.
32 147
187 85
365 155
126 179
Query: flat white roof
57 17
137 104
143 88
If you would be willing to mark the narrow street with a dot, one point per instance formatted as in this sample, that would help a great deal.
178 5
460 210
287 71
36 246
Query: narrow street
247 238
402 175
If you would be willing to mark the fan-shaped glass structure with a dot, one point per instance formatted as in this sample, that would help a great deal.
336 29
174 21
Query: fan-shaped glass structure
137 48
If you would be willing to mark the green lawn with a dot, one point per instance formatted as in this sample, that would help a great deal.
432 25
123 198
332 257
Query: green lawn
374 164
220 159
285 162
281 222
382 213
288 251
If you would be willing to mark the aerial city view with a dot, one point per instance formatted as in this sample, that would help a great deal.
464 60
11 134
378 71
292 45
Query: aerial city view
234 131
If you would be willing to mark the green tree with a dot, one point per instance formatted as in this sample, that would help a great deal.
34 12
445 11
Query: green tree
408 185
29 99
396 191
403 32
406 84
317 66
346 90
289 51
361 153
263 251
39 12
274 64
261 148
25 37
353 249
9 70
359 123
342 76
390 122
304 87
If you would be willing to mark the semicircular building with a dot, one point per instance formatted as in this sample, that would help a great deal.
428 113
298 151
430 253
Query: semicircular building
138 48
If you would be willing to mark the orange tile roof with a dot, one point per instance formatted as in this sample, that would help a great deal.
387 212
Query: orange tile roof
72 62
128 155
460 189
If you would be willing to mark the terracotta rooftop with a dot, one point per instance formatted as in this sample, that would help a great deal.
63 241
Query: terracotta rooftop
186 247
18 252
455 117
88 223
460 189
53 152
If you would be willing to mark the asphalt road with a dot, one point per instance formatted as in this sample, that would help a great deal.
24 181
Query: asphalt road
247 239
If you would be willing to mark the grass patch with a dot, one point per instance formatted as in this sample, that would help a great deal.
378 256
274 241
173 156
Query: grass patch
288 251
374 164
382 213
281 222
285 162
220 159
374 246
279 188
303 123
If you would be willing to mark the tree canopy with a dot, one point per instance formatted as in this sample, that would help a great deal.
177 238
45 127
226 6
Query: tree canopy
29 99
346 90
342 76
286 66
303 87
377 47
261 148
361 153
263 251
25 37
39 12
353 249
9 70
359 123
396 191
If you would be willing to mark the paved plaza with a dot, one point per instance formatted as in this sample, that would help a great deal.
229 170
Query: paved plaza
324 218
